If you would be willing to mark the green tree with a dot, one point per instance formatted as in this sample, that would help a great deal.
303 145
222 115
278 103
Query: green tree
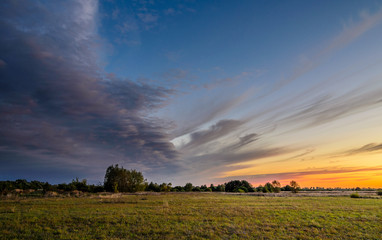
118 179
235 185
165 187
188 187
220 188
268 188
153 187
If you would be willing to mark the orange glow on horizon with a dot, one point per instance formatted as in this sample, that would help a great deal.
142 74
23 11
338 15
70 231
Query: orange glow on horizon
328 169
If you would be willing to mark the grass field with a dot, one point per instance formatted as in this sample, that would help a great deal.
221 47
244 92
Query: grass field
191 216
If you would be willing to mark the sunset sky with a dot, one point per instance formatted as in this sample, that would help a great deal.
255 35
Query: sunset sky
192 91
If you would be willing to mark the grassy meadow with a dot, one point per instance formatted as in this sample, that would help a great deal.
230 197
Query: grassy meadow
191 216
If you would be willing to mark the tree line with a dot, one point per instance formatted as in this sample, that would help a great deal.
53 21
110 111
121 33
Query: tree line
119 179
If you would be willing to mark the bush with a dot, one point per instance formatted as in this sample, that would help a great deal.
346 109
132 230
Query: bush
379 192
355 195
242 188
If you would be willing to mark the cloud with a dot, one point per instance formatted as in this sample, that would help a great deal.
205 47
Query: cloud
262 178
216 131
221 158
219 103
205 167
59 109
327 109
298 156
349 33
243 141
368 148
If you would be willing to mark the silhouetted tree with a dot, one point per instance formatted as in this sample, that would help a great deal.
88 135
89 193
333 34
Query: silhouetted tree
286 188
276 186
295 186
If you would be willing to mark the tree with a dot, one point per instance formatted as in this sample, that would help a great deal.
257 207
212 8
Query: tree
235 185
220 188
153 187
188 187
203 188
178 189
232 186
276 186
121 180
268 188
165 187
295 186
135 181
80 185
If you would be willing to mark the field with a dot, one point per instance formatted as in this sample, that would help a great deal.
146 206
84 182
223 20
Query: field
191 216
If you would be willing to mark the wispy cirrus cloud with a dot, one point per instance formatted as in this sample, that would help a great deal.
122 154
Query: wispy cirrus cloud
216 131
329 108
365 149
351 31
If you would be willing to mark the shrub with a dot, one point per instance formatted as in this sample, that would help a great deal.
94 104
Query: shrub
242 189
355 195
379 192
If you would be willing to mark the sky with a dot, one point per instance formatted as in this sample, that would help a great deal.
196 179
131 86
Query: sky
192 91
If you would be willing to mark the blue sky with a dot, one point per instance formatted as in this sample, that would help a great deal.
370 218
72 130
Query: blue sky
192 91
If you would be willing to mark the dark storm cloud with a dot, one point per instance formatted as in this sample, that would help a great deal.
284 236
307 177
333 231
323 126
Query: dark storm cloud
57 106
